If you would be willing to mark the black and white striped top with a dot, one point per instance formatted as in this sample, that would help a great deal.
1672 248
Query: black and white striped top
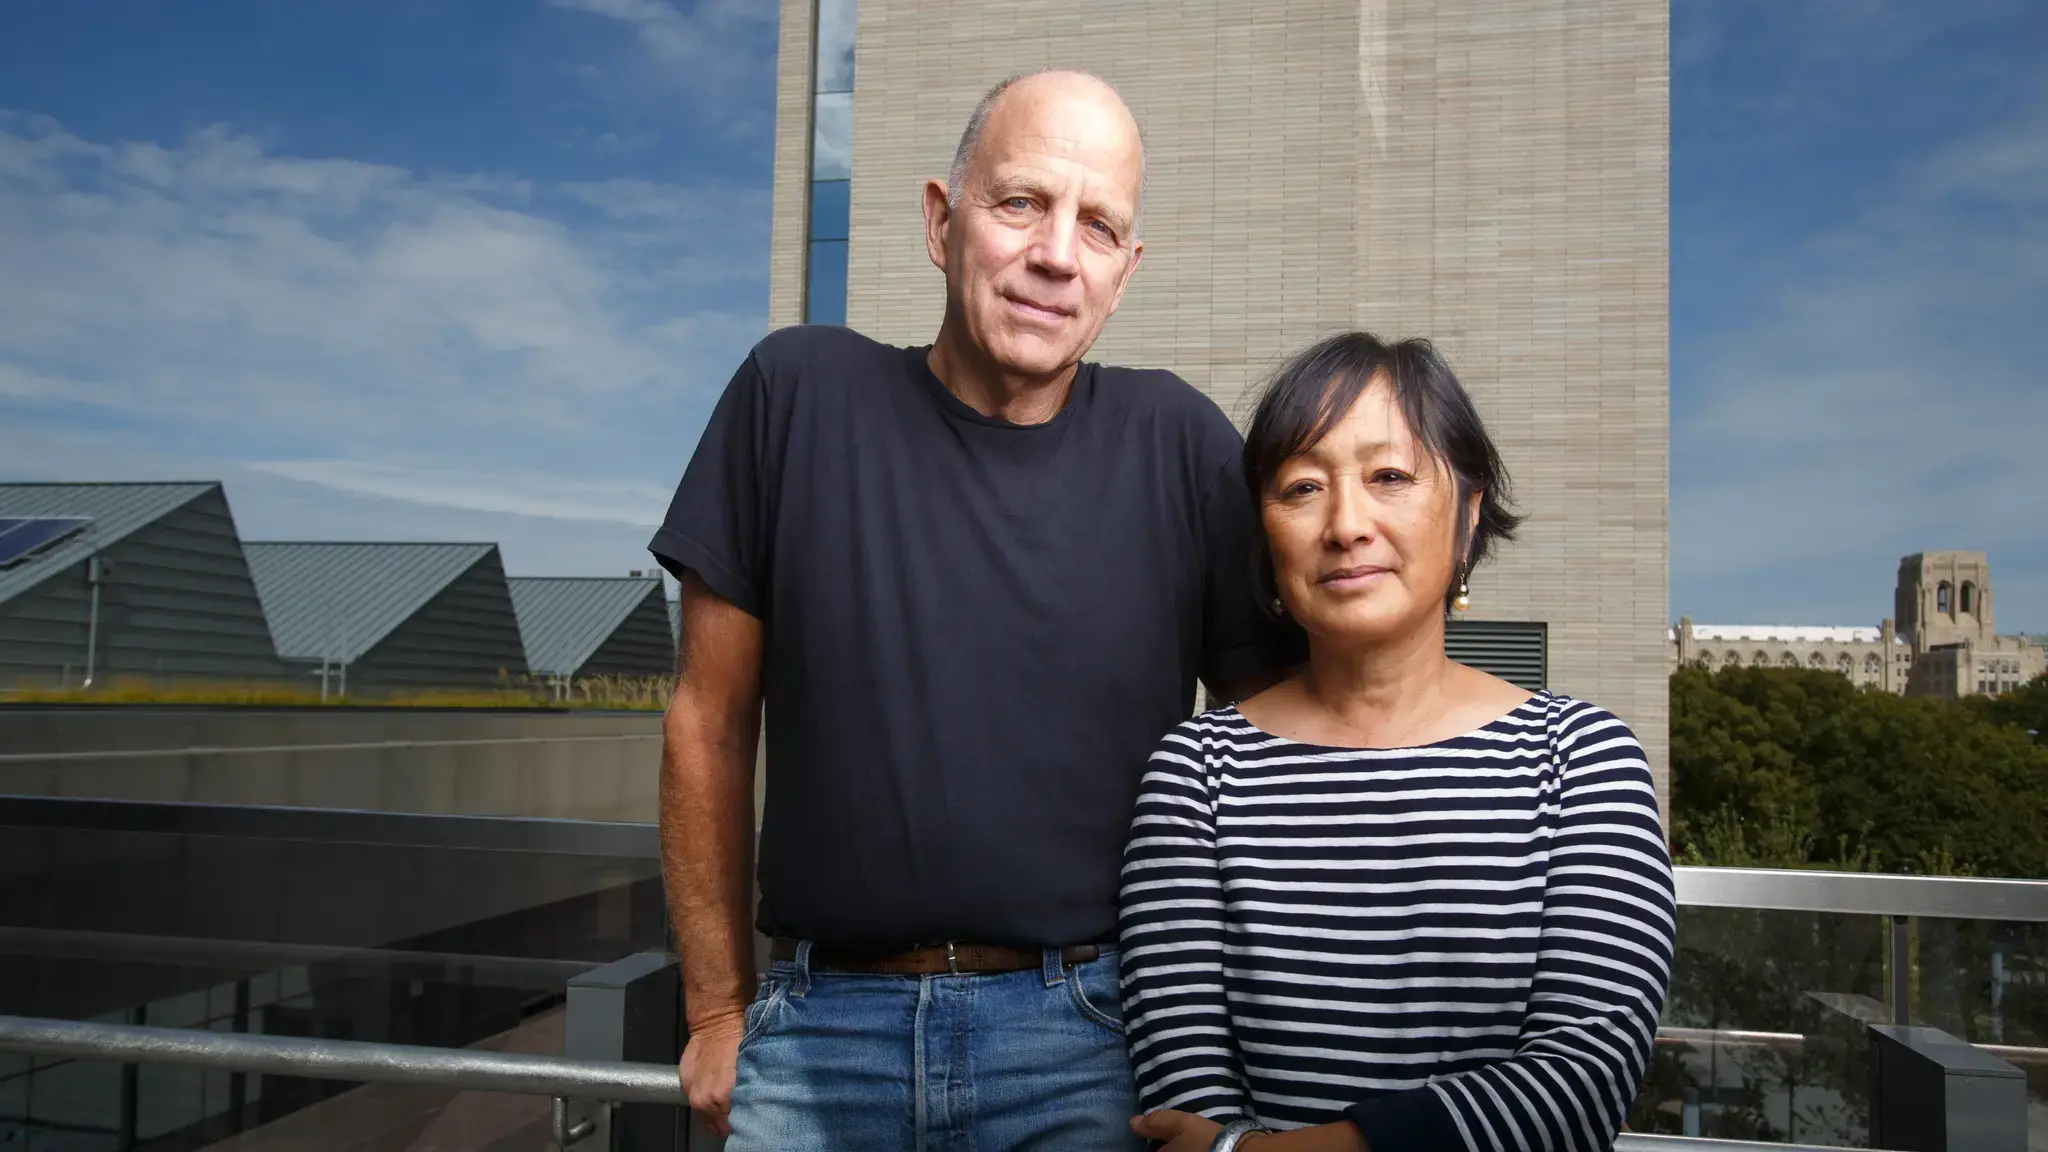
1464 945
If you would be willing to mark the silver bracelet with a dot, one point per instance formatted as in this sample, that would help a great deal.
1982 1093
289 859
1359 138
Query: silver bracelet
1233 1132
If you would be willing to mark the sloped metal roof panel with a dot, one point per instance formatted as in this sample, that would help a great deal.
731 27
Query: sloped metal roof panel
565 620
116 511
338 601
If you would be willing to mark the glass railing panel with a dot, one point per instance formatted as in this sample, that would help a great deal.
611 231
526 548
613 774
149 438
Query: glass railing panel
332 937
1761 1036
1987 982
171 1114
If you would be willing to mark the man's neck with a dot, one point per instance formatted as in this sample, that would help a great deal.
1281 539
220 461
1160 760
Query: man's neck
983 385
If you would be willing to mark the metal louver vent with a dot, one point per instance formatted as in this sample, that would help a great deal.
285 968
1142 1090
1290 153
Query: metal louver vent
1516 651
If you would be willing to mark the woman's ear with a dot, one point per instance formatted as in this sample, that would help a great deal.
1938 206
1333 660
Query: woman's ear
1474 501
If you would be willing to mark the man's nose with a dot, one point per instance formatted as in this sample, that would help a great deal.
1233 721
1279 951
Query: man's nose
1055 249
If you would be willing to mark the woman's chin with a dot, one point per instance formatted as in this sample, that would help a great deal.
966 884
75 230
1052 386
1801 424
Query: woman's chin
1364 625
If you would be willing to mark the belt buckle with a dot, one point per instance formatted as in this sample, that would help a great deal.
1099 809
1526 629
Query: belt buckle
952 959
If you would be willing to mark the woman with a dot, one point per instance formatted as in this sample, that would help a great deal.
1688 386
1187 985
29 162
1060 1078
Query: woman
1392 902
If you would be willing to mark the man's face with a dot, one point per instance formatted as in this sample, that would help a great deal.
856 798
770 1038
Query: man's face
1040 245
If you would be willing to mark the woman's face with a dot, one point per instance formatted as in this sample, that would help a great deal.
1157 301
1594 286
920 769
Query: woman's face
1363 528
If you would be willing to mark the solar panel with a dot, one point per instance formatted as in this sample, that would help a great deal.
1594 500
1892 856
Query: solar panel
22 537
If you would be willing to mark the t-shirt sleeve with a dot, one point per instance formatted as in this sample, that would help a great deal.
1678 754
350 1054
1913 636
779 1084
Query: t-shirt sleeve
718 522
1240 640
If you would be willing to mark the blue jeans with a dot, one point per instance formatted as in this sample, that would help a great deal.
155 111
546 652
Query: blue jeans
835 1061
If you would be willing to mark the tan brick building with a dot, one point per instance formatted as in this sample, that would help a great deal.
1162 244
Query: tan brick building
1942 640
1488 173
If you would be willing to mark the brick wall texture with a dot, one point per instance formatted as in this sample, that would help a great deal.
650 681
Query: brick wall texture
1491 174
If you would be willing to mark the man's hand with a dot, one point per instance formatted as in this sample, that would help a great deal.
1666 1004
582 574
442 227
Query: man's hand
1181 1131
710 1063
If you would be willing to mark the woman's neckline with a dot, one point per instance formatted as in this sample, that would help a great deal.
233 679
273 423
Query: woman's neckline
1542 696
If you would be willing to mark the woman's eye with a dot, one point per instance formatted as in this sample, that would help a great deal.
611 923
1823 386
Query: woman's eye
1390 476
1298 489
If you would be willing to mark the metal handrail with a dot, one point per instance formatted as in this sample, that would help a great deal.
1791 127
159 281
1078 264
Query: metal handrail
553 835
262 955
1644 1142
351 1060
180 753
1673 1035
469 1069
1863 893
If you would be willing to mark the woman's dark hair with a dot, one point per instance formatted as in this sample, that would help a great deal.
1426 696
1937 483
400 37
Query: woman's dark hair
1312 393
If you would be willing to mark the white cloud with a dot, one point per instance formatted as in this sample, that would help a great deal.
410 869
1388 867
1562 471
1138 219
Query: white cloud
473 343
637 505
1890 400
710 49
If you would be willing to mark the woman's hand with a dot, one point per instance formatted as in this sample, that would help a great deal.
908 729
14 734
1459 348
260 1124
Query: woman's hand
1187 1132
1181 1131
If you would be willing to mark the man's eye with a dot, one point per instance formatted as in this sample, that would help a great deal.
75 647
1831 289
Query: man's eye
1019 203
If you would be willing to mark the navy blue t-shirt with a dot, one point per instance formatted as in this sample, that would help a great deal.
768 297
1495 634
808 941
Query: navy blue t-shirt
976 631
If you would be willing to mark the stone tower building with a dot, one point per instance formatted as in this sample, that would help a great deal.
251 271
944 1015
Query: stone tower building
1942 640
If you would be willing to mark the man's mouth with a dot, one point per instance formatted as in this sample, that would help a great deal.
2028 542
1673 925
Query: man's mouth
1037 309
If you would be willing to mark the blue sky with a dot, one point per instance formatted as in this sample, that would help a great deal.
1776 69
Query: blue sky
474 269
392 269
1859 297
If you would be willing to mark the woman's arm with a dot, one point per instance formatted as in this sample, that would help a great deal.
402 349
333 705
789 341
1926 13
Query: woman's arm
1603 968
1182 1050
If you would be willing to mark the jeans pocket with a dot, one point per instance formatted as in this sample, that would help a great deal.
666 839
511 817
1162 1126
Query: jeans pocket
766 999
1093 989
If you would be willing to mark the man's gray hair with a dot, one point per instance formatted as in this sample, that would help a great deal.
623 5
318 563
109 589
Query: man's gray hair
977 123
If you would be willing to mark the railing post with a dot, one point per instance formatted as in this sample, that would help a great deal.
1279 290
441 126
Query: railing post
1902 970
1930 1092
631 1010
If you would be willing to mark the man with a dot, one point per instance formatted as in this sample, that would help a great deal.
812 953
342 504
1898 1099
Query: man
974 584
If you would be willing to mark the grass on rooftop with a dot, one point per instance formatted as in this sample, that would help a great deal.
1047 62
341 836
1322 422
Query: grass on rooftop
595 692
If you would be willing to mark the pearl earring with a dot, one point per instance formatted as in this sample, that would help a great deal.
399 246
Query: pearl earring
1464 601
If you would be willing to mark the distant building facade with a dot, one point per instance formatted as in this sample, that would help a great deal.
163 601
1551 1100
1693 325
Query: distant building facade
375 618
594 626
1941 641
102 582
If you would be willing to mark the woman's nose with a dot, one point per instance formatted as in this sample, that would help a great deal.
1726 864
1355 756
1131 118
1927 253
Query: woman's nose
1351 514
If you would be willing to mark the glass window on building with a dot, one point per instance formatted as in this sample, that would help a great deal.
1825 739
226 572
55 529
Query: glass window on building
831 163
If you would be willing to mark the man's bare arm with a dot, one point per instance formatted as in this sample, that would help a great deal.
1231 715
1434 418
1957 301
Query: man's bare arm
707 832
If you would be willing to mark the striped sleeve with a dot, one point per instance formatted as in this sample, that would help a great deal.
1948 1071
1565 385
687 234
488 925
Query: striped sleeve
1603 969
1177 1020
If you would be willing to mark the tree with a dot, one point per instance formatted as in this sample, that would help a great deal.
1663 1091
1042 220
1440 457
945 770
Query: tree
1798 768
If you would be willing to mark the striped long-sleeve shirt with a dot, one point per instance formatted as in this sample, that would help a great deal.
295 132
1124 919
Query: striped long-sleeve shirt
1459 946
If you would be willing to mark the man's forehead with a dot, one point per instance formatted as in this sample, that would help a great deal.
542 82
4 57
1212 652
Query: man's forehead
1058 152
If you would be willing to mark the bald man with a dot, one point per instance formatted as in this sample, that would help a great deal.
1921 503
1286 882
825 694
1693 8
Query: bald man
973 583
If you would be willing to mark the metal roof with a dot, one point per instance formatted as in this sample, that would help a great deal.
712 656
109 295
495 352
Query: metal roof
564 620
338 601
116 510
1787 633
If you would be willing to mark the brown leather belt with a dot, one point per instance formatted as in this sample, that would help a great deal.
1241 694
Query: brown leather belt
955 957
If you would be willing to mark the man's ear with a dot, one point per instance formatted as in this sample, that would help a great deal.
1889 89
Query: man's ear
1137 254
937 216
